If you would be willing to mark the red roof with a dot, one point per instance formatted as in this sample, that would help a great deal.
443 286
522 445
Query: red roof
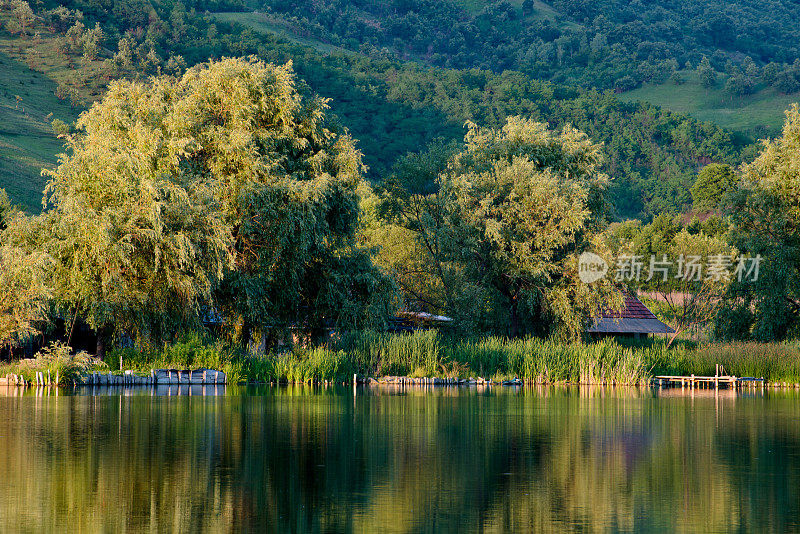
632 309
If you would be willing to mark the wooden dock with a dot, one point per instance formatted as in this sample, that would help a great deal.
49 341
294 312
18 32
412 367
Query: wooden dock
709 382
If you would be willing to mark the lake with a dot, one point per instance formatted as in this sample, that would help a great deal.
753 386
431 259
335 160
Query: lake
304 459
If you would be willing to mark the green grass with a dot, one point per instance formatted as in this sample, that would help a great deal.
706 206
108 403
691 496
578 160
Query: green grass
776 362
419 354
263 22
430 354
32 68
758 115
27 143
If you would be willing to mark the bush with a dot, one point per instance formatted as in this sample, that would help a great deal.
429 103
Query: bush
58 361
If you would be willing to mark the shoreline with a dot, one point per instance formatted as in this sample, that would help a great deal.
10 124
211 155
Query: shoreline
211 377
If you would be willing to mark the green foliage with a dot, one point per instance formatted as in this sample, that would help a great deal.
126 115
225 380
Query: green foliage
706 73
713 182
395 107
766 222
421 353
312 365
378 353
498 241
60 128
219 190
56 361
191 351
6 210
775 362
132 234
22 17
739 85
611 44
429 353
24 292
686 270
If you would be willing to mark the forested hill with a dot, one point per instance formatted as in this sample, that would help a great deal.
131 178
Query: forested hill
392 107
615 44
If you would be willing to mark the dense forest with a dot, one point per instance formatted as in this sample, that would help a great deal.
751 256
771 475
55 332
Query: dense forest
609 44
392 107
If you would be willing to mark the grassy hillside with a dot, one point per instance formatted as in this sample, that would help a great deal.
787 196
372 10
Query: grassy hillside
758 115
28 105
34 71
578 51
265 22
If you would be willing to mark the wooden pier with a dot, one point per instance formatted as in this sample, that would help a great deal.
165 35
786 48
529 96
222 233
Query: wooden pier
708 382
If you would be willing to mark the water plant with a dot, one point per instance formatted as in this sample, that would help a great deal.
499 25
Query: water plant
435 354
57 363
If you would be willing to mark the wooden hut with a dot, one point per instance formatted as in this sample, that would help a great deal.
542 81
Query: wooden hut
633 320
408 321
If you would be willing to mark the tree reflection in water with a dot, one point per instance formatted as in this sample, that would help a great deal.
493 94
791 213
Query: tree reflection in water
309 459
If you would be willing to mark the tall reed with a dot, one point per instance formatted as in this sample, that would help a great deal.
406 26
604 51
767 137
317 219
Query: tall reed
430 353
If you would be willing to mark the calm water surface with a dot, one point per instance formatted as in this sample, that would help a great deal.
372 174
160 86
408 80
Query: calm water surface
333 460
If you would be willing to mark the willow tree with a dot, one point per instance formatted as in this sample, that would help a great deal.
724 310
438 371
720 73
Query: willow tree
502 232
136 239
766 221
24 291
219 191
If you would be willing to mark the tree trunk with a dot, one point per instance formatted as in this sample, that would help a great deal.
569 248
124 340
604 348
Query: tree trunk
514 318
100 350
674 335
246 334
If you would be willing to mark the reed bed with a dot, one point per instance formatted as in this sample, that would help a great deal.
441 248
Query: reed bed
530 359
775 362
432 354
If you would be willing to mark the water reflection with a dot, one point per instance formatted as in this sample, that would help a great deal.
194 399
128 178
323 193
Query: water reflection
302 459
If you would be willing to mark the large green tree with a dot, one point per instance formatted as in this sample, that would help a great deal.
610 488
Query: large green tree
502 230
766 221
713 182
221 190
685 274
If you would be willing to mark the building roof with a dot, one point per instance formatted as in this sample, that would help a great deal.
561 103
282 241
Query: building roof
424 317
633 318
